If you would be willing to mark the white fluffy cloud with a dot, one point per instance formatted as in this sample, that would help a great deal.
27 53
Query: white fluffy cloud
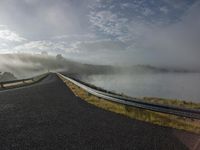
108 22
7 35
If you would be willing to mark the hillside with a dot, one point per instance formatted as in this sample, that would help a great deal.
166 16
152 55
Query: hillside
23 65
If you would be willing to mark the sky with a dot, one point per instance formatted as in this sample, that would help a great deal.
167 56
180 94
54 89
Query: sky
118 32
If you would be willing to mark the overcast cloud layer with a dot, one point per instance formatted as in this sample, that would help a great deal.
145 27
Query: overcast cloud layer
156 32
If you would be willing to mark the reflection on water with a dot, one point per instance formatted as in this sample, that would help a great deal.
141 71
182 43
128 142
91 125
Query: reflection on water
184 86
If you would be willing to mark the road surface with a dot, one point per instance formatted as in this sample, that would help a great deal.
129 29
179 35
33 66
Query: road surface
47 115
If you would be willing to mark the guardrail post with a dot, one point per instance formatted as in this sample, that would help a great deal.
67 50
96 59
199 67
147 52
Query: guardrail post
1 85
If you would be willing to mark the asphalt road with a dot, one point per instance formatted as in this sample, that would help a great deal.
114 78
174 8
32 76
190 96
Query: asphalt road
47 115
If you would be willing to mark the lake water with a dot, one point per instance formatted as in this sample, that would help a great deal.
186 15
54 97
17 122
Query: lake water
185 86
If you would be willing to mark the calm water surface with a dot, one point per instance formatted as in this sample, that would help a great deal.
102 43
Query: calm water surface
184 86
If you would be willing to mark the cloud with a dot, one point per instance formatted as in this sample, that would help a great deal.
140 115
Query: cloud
38 20
76 37
7 35
9 39
2 26
177 4
108 22
147 12
164 10
100 46
167 38
152 32
48 46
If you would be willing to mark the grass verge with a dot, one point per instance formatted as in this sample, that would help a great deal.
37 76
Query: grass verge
156 100
174 102
162 119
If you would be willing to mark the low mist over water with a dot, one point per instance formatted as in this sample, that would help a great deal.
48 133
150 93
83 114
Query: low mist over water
135 80
183 86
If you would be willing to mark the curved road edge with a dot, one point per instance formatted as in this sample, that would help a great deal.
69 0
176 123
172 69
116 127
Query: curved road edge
183 112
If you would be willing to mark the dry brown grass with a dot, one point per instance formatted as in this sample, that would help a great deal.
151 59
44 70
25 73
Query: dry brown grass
157 118
174 102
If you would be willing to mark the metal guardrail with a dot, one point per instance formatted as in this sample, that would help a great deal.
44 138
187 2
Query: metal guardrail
22 81
183 112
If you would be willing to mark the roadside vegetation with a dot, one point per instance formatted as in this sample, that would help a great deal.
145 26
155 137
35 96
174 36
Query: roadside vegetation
157 118
156 100
174 102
